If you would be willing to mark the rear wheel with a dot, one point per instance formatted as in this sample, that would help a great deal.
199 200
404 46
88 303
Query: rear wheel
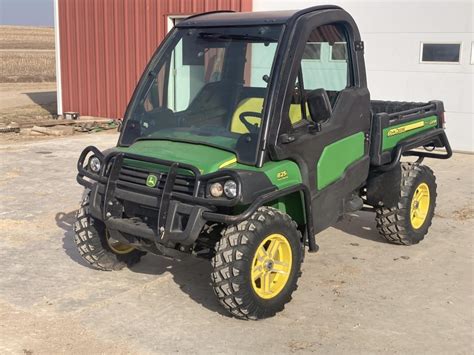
409 221
257 264
97 247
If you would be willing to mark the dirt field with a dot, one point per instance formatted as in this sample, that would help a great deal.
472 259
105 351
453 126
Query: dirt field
26 54
23 37
358 294
27 74
27 66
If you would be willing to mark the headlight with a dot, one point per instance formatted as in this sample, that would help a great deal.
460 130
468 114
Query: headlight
94 164
216 189
230 188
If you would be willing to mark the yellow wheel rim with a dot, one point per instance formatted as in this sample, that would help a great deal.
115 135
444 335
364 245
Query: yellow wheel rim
420 205
271 266
118 247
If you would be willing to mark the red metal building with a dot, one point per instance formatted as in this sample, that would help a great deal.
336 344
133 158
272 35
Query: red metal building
104 45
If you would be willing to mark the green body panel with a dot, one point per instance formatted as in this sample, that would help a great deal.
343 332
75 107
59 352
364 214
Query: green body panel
282 174
337 157
206 159
390 138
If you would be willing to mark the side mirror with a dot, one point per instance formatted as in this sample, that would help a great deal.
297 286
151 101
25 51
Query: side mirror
319 107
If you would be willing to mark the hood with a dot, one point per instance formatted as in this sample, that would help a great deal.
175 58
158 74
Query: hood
206 159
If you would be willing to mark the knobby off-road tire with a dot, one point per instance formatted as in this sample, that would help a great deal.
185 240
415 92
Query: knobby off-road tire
90 236
409 221
236 263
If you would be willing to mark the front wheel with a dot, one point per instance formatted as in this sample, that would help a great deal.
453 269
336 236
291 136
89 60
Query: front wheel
257 264
97 247
408 222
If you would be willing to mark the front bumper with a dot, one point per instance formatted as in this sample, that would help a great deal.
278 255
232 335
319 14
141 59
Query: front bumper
182 223
171 217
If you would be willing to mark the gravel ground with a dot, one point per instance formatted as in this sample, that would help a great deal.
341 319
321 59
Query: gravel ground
358 294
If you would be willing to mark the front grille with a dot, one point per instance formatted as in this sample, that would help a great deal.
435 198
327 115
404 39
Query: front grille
131 178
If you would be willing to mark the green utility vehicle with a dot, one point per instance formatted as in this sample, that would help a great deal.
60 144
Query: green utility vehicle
247 134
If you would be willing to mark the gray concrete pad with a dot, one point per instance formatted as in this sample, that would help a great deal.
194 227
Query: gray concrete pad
358 294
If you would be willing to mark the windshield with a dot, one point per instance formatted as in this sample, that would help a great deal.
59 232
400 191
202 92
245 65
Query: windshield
208 87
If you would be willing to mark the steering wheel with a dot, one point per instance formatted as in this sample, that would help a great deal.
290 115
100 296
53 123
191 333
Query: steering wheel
250 127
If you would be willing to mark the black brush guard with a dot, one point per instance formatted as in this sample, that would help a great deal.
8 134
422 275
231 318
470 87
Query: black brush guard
176 220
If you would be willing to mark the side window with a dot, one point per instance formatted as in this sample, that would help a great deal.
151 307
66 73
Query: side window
339 52
327 67
324 65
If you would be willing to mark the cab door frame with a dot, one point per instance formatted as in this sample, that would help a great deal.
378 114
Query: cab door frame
351 117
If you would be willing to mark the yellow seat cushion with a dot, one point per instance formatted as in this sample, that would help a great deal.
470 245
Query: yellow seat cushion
296 114
255 104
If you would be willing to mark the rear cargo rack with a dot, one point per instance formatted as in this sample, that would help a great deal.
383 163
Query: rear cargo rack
401 109
409 112
387 114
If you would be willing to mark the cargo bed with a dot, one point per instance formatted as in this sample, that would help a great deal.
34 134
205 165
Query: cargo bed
398 127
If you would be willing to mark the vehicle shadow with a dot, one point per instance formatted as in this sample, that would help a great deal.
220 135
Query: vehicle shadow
360 224
192 275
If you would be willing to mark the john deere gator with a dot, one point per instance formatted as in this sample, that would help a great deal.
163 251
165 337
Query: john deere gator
247 135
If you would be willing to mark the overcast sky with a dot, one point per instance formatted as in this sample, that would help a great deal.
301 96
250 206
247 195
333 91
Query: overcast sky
27 12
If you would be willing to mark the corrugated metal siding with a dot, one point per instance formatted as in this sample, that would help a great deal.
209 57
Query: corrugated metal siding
105 45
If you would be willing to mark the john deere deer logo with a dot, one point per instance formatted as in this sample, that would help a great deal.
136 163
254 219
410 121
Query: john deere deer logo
151 180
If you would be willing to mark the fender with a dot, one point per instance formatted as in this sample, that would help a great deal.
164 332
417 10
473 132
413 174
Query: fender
265 198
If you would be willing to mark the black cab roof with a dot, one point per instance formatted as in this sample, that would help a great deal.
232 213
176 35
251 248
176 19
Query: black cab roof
230 18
